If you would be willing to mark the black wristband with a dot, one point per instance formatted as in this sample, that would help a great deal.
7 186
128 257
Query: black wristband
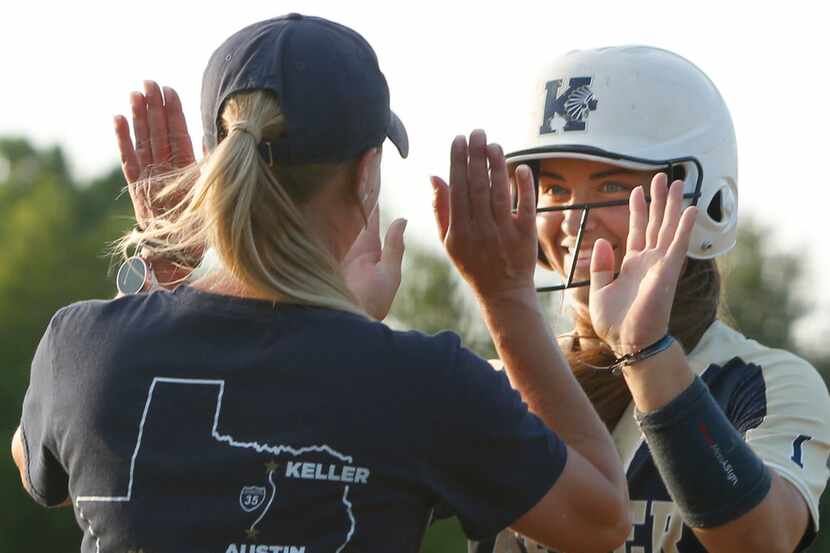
710 472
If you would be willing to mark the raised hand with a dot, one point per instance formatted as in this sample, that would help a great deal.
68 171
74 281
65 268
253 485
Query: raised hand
632 311
372 273
162 144
493 249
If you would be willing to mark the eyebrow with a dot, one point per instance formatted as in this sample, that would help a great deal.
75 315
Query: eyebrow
610 172
551 174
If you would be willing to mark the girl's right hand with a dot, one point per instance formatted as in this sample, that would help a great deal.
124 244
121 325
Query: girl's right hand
632 311
493 248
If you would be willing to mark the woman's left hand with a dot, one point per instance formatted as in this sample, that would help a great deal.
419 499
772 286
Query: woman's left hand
632 311
372 273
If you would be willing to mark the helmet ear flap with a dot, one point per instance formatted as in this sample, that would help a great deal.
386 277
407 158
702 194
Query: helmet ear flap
714 230
715 209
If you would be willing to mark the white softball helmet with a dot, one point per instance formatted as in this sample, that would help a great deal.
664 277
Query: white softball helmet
643 108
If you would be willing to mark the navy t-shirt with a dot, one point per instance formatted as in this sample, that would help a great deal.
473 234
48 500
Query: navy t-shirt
191 422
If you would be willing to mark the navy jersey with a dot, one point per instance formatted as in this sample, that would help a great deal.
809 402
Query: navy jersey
190 422
776 400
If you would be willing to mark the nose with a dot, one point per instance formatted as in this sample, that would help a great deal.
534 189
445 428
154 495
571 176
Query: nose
572 218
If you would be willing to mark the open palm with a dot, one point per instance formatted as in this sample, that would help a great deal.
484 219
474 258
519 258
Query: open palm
372 272
632 311
162 144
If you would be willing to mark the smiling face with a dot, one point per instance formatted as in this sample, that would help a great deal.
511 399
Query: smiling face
564 182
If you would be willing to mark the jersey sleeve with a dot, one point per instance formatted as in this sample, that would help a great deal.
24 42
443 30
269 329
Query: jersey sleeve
47 479
785 417
491 460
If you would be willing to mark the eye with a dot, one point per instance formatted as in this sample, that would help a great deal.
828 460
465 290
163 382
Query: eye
555 191
614 188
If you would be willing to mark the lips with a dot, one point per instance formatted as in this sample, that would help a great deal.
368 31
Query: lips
583 256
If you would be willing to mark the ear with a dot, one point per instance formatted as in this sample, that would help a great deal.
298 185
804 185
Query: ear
366 164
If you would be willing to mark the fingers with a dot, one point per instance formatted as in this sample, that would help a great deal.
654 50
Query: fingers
602 265
141 129
393 247
637 220
526 205
181 148
441 206
459 200
368 241
129 161
373 227
671 215
478 183
680 244
500 186
157 120
659 190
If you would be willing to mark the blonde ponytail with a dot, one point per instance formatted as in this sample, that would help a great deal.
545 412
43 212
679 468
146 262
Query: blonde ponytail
249 212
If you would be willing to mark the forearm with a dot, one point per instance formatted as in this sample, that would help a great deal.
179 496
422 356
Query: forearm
731 500
776 525
539 371
19 456
655 381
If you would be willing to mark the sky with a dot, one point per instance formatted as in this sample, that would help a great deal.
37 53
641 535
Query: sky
68 67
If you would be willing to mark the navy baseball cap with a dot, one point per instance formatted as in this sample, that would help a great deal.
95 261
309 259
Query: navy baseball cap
326 77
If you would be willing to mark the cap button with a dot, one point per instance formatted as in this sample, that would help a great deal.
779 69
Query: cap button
294 16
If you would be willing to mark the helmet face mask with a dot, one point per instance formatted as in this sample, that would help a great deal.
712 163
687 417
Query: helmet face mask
643 109
676 169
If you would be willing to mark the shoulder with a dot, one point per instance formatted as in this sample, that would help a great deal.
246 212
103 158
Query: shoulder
99 321
725 350
443 358
738 369
436 353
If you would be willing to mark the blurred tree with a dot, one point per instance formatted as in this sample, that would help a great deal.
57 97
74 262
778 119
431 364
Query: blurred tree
53 233
761 288
433 298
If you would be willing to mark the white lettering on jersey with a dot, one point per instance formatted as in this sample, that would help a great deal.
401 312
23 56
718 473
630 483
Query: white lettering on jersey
331 473
666 530
251 498
638 510
253 548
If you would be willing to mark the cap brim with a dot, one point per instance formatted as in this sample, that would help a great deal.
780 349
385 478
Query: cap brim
397 134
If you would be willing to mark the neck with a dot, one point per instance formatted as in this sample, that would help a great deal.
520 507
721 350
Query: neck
221 281
335 226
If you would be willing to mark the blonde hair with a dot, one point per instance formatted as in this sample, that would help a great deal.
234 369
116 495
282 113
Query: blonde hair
249 212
